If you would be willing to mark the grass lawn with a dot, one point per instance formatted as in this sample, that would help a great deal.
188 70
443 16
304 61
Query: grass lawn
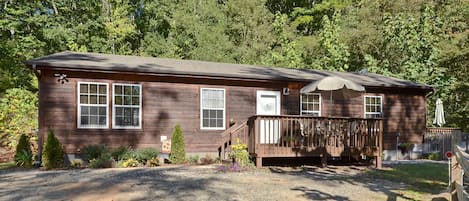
425 178
7 165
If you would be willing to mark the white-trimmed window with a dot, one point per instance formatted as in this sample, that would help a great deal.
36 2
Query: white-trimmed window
310 104
127 106
212 108
93 105
373 106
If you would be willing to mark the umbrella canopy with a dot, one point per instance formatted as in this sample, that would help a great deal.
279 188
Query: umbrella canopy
332 83
439 113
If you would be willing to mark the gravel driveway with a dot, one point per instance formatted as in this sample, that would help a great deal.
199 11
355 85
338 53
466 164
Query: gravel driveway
198 183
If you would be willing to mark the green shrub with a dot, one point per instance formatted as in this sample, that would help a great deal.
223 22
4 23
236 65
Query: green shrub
23 159
144 154
178 153
94 151
130 163
53 154
120 152
194 159
23 155
153 162
434 156
103 161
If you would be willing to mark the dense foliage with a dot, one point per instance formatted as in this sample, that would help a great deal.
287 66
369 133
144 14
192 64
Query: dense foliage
53 154
178 152
18 115
418 40
23 154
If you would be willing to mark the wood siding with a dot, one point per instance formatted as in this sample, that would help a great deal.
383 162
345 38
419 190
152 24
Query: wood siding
167 101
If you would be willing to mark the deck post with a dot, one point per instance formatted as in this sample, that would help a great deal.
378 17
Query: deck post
323 160
259 162
222 152
379 155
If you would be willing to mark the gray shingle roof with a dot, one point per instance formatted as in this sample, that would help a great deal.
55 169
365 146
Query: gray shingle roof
106 62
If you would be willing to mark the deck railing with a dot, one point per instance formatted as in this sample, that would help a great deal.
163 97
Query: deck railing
292 135
238 131
459 169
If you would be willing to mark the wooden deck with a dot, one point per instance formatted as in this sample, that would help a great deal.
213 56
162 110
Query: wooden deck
305 136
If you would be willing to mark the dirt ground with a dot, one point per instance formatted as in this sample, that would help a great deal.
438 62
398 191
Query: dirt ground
201 183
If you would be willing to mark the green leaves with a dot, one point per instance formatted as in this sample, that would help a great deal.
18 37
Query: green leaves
18 115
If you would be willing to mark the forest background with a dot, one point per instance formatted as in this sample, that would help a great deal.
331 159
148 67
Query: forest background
422 41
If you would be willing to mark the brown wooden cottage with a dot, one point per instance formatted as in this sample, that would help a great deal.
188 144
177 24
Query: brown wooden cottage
88 98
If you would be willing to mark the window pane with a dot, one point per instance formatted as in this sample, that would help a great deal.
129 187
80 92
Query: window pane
102 111
220 123
84 120
315 98
118 100
102 99
119 111
127 90
93 99
102 89
83 99
84 88
135 100
205 123
94 120
102 120
205 114
136 90
120 121
93 89
93 110
127 112
117 89
367 100
304 98
219 114
85 110
127 100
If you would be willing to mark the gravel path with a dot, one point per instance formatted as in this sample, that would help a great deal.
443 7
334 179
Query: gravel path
198 183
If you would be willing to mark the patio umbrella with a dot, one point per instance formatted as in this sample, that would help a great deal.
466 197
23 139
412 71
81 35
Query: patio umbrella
439 113
347 88
332 83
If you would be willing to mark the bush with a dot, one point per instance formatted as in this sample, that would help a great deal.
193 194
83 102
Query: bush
24 155
153 162
145 154
434 156
178 153
23 159
103 161
53 154
94 151
194 159
119 153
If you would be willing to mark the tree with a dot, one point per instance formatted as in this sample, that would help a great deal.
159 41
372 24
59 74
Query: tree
18 115
23 154
284 51
178 153
53 154
334 55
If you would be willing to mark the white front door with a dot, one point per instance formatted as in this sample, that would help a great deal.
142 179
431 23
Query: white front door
268 103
